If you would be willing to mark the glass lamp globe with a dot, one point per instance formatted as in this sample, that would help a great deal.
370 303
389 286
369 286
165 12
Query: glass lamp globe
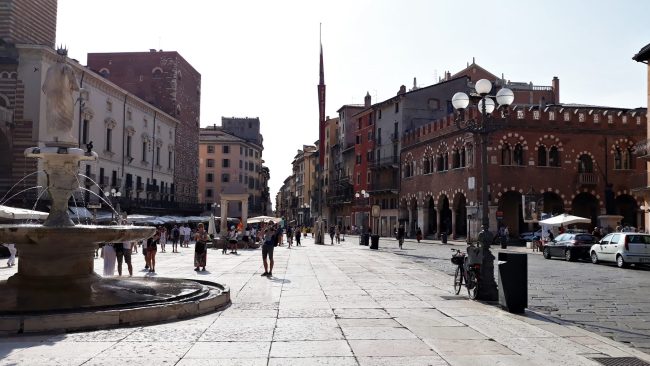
460 100
113 190
107 193
505 97
118 194
483 86
356 195
489 105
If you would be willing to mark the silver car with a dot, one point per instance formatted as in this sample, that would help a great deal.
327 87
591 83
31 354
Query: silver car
622 248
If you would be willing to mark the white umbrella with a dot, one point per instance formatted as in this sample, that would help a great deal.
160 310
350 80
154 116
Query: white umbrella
7 212
211 226
565 219
257 219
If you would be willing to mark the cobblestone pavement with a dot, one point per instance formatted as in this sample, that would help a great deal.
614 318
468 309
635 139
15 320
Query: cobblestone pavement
329 305
601 298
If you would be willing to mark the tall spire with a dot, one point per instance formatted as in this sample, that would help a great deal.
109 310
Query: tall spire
321 107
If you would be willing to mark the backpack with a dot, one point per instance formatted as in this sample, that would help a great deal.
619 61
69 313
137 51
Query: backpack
275 239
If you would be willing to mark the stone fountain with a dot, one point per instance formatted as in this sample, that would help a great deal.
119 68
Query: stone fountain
56 287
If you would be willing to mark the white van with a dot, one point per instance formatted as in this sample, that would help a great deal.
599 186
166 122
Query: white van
622 248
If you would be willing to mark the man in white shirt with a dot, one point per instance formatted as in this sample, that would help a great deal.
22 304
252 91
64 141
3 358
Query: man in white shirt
12 254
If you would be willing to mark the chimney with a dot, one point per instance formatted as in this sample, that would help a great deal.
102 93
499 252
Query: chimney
402 90
447 75
367 100
556 89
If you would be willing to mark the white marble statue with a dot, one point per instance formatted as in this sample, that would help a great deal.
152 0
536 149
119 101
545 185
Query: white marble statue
59 88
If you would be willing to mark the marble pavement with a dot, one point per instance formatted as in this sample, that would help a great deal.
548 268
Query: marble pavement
325 305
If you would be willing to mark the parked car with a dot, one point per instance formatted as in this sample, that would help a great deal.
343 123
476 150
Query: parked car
622 248
571 246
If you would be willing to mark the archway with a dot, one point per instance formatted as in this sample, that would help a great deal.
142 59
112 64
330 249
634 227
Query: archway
510 205
627 207
460 215
585 205
413 217
553 203
431 224
445 215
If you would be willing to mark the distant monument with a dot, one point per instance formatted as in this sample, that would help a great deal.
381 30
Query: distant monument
59 88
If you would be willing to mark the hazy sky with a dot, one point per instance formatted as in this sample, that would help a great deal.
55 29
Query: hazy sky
260 58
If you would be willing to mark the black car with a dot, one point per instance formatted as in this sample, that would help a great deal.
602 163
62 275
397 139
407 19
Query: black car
571 246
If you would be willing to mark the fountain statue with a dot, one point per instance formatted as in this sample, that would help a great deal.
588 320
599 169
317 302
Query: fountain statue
55 276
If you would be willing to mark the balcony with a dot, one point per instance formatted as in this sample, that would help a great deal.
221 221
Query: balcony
103 181
587 179
152 188
293 203
117 183
639 183
384 187
139 187
390 162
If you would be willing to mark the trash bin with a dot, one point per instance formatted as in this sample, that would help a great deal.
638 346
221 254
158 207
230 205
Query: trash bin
513 281
443 237
363 239
375 241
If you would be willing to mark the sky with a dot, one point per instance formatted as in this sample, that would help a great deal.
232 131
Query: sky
260 58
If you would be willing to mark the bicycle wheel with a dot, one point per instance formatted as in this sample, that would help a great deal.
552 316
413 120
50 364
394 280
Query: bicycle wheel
458 280
472 285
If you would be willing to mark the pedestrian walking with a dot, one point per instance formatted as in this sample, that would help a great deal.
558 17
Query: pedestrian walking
418 234
12 254
152 249
337 233
200 248
163 238
175 236
289 236
331 232
298 237
232 240
187 232
400 235
123 252
270 240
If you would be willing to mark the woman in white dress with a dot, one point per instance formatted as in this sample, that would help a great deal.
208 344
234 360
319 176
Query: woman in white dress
110 258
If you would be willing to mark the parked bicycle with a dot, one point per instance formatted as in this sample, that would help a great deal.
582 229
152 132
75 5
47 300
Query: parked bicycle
466 274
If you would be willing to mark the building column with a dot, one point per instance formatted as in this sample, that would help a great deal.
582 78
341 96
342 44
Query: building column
408 229
224 217
453 224
244 212
438 232
421 213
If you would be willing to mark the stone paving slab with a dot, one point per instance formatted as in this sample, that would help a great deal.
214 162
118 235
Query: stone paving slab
327 305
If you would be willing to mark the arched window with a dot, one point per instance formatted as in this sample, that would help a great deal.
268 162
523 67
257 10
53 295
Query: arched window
585 164
455 159
541 156
156 72
445 158
104 72
506 155
554 157
518 155
470 155
440 165
618 159
628 160
463 157
407 170
426 166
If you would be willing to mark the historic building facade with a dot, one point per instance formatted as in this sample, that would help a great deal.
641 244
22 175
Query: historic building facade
166 80
571 158
644 148
230 159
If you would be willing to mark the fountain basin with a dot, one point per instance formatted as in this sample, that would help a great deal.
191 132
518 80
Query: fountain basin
89 234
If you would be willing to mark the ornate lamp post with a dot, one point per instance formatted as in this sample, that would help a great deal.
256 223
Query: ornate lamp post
114 195
362 199
483 126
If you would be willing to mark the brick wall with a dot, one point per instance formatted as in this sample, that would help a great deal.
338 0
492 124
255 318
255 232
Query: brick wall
28 21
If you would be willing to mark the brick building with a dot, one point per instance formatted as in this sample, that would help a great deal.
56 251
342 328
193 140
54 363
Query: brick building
168 81
28 21
571 158
643 56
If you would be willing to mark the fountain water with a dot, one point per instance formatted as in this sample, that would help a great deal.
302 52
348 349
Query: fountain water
56 287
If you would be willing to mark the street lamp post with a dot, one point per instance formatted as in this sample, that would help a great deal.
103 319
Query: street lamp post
114 195
306 216
362 197
483 126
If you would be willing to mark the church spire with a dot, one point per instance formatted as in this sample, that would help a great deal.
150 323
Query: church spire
321 108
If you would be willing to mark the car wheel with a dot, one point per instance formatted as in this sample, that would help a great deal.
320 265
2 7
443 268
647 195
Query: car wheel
594 258
620 262
547 253
568 255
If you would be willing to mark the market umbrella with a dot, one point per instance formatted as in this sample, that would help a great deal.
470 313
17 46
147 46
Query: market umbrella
211 226
257 219
565 219
7 212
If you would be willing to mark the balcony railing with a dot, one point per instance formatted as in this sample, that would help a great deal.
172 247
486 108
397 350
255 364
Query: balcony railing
587 179
390 186
385 162
639 183
139 187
